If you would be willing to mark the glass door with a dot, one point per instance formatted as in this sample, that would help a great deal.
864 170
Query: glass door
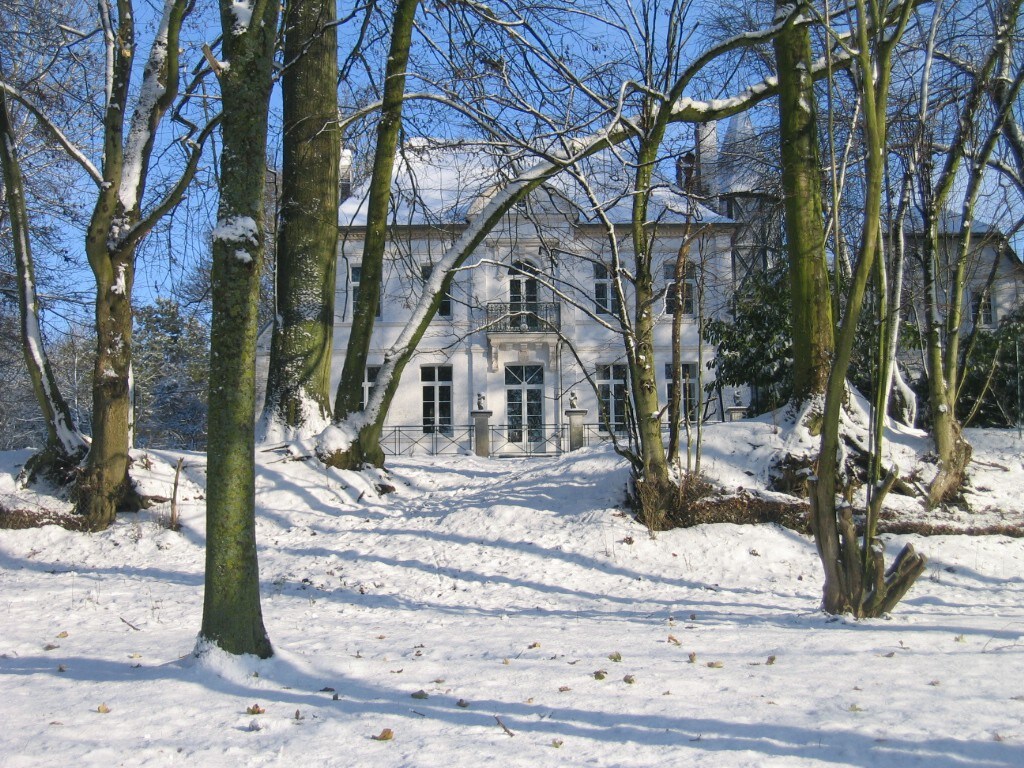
524 403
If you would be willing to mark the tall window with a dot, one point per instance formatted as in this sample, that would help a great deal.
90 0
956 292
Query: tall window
611 391
444 309
524 403
691 394
688 285
437 399
522 295
357 274
981 307
369 379
606 299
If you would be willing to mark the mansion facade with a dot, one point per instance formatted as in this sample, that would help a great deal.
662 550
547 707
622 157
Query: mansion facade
528 332
529 329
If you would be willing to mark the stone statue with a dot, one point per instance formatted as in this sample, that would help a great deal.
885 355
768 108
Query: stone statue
481 401
573 400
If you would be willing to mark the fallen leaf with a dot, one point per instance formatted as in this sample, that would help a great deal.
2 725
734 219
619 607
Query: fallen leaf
255 709
462 703
385 735
600 674
50 647
564 688
62 668
62 635
420 694
770 661
299 715
533 645
615 656
556 743
103 709
933 682
693 657
716 664
629 679
674 640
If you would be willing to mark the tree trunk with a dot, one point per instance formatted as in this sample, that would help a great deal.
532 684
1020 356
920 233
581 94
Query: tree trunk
855 579
64 447
232 617
350 387
115 230
105 486
298 386
805 230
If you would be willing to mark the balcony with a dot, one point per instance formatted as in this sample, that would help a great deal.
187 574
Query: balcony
524 317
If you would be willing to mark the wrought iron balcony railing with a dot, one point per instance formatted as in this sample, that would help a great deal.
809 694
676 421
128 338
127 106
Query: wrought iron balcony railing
524 317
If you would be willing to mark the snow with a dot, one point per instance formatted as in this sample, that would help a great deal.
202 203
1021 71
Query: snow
242 11
237 229
499 588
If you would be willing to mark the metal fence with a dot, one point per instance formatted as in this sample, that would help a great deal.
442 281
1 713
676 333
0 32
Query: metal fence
413 441
524 316
548 440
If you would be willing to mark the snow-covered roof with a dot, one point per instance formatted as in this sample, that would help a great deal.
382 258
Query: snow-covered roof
950 223
439 184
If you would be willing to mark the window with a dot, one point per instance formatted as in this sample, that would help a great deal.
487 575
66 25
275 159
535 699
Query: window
369 379
981 308
611 391
672 302
691 394
444 309
524 403
437 399
523 295
606 299
357 273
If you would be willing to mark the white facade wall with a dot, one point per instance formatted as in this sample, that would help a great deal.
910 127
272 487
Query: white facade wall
480 358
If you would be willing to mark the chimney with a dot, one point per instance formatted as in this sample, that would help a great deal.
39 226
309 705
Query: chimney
706 166
345 175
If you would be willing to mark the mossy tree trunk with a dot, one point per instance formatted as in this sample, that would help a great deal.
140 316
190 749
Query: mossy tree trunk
389 129
115 229
298 386
856 580
232 617
811 307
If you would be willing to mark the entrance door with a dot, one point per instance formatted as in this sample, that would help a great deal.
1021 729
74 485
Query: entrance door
524 403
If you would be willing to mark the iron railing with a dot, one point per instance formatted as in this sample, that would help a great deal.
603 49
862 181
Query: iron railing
537 440
524 317
409 441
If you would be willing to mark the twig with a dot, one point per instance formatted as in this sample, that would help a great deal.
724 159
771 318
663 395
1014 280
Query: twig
503 726
122 618
174 496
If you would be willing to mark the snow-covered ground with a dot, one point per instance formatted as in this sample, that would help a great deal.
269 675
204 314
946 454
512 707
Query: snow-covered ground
508 613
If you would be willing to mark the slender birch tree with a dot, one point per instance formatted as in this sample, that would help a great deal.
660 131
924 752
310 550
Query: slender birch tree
64 446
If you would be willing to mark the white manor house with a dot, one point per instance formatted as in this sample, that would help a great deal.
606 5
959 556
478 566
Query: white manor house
528 330
528 333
